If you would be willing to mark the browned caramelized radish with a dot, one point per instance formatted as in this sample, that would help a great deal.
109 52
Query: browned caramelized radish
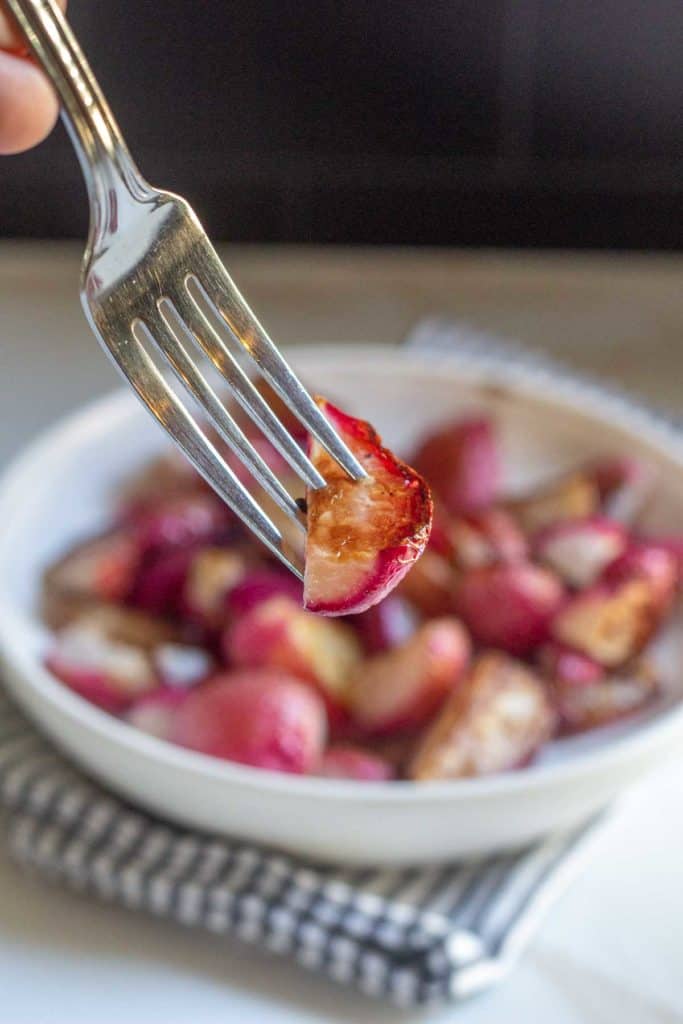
363 536
583 706
496 719
572 496
609 623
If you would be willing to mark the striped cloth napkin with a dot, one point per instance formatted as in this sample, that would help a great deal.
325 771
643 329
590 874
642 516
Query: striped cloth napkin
415 936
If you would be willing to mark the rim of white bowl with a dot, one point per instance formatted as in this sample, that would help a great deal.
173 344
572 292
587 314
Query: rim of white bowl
541 381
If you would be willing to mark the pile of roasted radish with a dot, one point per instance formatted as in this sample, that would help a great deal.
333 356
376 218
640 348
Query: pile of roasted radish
408 653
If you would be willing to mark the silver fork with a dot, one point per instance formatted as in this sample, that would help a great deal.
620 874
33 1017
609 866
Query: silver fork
152 282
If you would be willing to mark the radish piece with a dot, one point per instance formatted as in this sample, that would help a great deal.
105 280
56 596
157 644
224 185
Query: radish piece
363 536
102 569
652 563
670 543
401 689
429 585
461 462
263 718
186 519
212 574
155 714
572 496
127 626
180 666
386 625
259 585
578 550
496 719
567 665
104 672
159 585
486 538
347 762
583 706
509 606
609 623
279 634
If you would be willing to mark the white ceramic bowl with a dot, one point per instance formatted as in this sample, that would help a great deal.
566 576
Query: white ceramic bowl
61 489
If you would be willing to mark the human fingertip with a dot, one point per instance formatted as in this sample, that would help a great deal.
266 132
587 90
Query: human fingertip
28 105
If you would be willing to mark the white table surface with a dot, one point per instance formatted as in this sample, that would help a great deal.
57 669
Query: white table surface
611 949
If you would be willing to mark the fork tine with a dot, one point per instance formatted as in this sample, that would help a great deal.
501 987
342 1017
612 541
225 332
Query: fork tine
153 391
246 394
233 309
164 333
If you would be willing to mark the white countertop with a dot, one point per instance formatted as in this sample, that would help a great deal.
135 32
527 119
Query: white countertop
611 949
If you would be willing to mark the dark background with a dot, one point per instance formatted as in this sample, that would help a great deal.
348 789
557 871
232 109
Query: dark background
486 122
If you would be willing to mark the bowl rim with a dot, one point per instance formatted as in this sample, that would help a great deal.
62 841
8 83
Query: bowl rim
574 393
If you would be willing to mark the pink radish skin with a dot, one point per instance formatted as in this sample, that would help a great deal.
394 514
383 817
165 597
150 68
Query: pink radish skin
180 521
486 538
569 666
652 563
509 606
106 673
386 625
277 633
579 550
461 463
259 585
400 690
264 718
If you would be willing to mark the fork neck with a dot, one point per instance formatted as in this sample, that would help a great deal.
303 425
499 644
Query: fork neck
109 170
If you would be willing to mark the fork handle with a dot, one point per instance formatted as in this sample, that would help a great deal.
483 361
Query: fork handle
104 157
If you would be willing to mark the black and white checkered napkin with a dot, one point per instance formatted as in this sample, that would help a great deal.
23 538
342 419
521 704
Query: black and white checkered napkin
416 936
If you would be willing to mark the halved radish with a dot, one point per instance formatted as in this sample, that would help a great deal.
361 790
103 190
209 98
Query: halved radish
264 718
651 562
486 538
212 574
574 495
123 625
278 634
509 606
496 719
159 584
103 569
181 520
563 663
579 549
363 536
461 462
583 706
400 690
611 623
105 672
